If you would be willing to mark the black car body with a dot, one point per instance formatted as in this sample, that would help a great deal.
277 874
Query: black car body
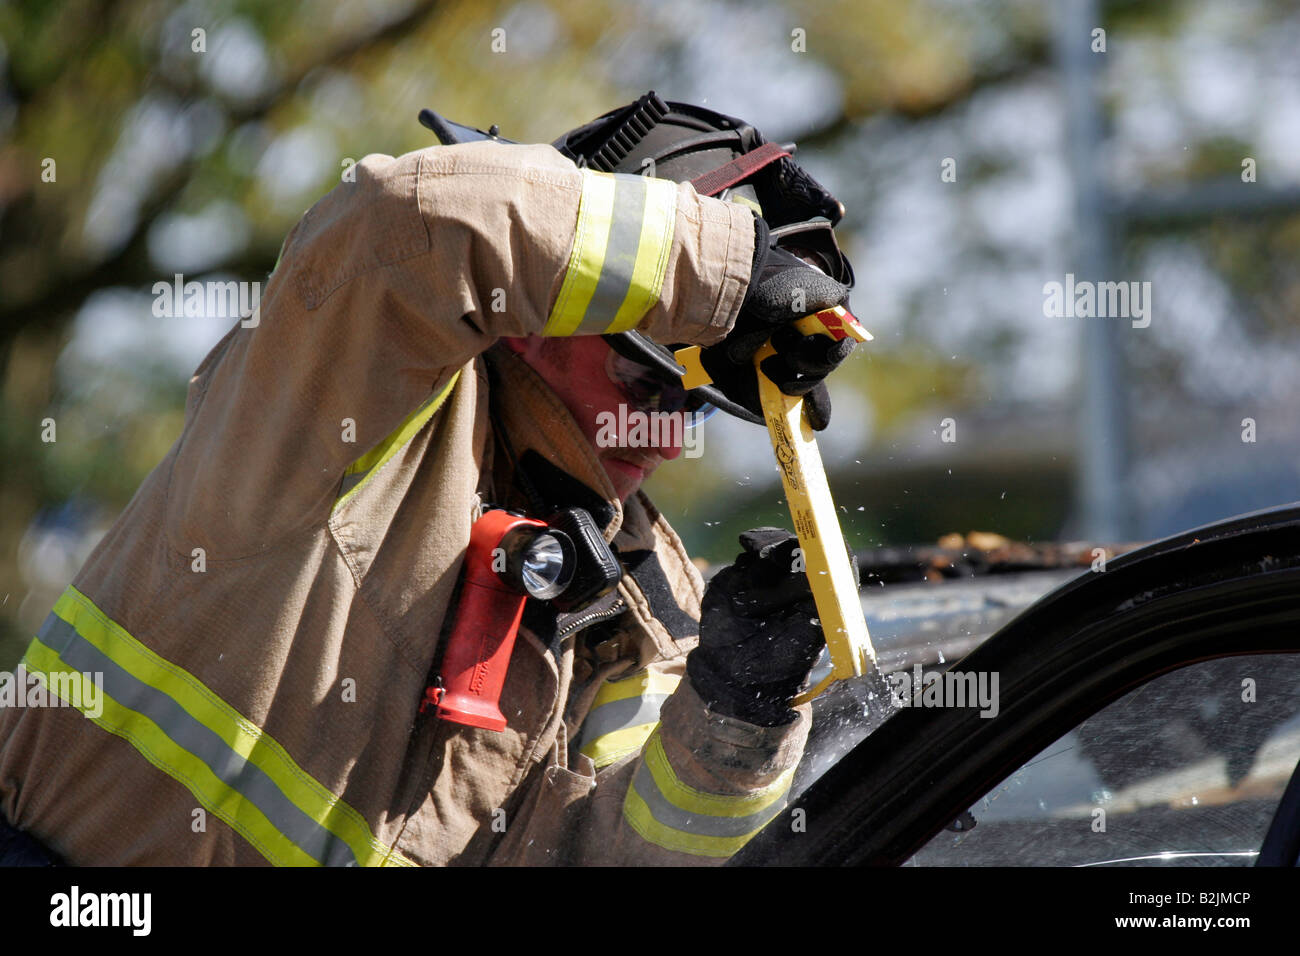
1167 684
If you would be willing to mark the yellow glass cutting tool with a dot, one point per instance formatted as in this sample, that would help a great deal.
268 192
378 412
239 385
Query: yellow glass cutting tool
825 554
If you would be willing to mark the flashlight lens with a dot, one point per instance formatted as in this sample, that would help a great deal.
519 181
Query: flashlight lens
543 566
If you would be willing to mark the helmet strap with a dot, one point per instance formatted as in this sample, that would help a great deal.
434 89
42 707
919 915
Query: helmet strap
742 167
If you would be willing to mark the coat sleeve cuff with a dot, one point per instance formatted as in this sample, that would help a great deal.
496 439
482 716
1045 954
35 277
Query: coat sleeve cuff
737 270
713 256
717 753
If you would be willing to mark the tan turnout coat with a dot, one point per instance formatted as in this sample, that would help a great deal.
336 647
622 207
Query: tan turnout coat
265 612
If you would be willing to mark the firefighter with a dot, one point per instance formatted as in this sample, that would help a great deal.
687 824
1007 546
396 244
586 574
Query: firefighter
438 335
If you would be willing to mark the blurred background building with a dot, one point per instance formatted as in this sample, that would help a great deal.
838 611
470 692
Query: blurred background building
983 148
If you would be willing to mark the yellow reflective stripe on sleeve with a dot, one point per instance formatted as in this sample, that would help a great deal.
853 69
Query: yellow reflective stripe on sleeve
621 244
587 258
623 715
652 254
668 813
235 770
710 804
360 471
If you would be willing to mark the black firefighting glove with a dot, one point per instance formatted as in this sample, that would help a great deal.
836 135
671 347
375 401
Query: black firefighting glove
782 289
759 634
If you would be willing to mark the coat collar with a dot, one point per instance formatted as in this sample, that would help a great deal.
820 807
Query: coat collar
536 420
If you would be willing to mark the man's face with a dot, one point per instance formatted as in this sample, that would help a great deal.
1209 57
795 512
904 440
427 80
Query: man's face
574 368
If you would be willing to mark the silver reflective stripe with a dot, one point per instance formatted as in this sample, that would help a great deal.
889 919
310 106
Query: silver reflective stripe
620 254
619 715
697 823
245 778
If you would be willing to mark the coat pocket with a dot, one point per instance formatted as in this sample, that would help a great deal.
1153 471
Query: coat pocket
549 816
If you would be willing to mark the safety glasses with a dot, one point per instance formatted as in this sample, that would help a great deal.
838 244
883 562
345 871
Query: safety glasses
647 391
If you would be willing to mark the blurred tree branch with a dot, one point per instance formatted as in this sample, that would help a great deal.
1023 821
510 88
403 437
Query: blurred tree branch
65 288
1031 54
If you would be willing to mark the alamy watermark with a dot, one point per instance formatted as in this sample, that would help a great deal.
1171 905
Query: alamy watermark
133 911
181 299
947 689
24 688
633 428
1100 300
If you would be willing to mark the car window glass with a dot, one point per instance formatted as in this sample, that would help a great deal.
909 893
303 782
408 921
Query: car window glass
1185 770
933 624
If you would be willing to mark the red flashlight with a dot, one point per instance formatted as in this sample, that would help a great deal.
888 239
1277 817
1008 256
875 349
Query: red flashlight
509 559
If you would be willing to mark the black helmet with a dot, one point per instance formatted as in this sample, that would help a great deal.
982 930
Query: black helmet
721 156
687 143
